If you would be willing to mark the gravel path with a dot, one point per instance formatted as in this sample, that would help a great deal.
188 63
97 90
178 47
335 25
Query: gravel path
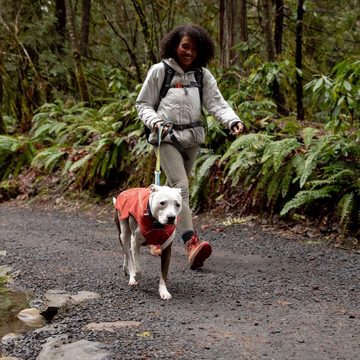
260 295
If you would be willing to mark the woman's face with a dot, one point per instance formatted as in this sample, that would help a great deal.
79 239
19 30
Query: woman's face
186 52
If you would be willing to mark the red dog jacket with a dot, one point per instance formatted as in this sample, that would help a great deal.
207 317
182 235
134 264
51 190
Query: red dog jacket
136 202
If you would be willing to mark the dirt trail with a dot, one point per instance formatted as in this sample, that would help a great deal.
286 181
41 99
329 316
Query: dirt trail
260 296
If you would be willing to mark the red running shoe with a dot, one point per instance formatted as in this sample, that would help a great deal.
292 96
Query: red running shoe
197 251
155 250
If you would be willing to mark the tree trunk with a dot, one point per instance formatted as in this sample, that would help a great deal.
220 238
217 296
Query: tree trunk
271 55
278 35
279 23
60 23
85 23
298 60
79 66
268 31
149 40
233 29
243 27
239 31
2 124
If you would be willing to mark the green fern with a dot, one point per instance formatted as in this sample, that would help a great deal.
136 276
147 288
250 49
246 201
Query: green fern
49 159
346 207
276 152
306 198
16 153
202 168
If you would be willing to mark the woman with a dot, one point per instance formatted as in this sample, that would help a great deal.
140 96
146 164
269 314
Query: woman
185 49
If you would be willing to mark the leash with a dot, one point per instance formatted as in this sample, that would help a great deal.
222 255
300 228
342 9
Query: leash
161 134
157 167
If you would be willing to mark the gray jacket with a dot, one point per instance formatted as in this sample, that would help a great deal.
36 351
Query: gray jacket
182 105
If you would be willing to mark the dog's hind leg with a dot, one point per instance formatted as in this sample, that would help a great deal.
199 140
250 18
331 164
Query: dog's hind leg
165 262
126 235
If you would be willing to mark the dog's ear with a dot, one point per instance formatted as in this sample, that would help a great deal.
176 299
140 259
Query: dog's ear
153 188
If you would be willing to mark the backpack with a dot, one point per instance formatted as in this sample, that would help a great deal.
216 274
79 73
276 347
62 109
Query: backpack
169 74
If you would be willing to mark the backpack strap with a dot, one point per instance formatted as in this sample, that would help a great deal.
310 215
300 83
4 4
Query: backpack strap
169 74
199 81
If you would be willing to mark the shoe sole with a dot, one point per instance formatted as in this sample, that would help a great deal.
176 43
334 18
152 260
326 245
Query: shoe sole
203 253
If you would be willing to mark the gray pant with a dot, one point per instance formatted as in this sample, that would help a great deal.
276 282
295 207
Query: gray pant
177 171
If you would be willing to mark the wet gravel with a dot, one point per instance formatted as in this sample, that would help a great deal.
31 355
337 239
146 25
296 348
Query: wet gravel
261 295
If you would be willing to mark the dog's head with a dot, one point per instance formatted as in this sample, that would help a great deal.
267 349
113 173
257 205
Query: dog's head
165 204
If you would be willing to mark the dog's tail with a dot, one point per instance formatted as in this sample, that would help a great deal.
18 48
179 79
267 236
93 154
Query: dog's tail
114 201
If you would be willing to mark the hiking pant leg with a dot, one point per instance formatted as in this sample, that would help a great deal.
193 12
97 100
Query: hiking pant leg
177 171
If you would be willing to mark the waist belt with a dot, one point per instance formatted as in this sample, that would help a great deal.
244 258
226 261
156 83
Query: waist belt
187 126
173 138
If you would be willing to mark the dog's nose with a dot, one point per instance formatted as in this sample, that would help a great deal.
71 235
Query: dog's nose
171 219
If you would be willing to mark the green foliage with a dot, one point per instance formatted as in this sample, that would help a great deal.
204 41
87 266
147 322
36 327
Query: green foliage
89 144
338 98
328 178
16 154
200 182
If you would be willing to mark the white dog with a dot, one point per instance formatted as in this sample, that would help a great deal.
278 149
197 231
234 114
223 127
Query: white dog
147 216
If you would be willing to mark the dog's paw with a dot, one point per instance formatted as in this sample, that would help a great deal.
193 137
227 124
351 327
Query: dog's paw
133 282
164 294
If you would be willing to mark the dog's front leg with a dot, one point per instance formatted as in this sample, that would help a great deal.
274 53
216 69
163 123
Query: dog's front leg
134 261
124 236
135 255
165 262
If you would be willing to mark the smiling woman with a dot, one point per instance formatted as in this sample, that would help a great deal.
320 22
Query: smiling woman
186 51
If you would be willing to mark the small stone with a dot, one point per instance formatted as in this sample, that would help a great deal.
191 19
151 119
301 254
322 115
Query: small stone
31 317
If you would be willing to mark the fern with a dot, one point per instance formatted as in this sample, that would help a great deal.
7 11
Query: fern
15 153
307 197
314 156
346 207
276 152
49 159
309 134
201 173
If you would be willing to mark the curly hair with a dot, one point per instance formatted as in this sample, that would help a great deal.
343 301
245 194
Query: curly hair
203 42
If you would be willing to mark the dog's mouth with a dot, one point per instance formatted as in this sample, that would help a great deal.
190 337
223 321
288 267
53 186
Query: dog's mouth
170 220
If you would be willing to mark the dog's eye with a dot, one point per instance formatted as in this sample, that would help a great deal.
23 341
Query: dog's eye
178 205
162 203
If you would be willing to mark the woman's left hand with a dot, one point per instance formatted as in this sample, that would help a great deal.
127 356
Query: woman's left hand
238 128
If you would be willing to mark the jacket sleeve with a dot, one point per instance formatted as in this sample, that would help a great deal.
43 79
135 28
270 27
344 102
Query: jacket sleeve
149 95
215 103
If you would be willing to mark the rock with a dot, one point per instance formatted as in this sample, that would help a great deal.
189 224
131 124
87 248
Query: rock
7 338
111 326
83 296
31 317
5 270
58 298
57 348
